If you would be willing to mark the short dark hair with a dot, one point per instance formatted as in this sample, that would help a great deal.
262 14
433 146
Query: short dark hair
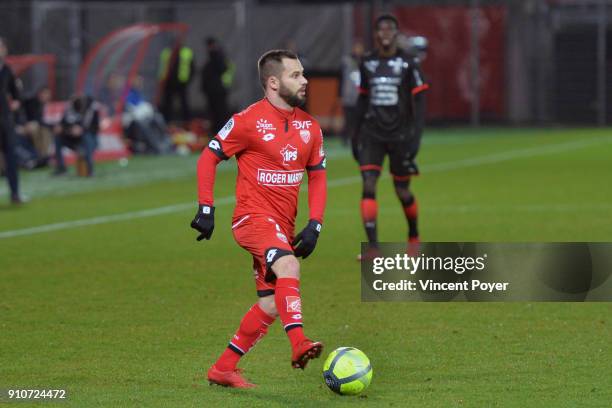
271 64
386 17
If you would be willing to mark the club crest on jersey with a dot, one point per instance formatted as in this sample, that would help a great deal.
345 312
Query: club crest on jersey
305 135
263 126
289 154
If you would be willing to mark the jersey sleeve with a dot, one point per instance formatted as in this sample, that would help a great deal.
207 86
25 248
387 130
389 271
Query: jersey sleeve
231 140
416 79
364 85
317 160
317 180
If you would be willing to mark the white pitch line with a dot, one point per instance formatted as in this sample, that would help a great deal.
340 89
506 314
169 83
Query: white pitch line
433 168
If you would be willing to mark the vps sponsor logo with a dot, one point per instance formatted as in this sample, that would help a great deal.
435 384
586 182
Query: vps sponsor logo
289 154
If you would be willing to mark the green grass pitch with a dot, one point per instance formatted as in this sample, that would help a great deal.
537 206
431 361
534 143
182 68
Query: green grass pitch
105 292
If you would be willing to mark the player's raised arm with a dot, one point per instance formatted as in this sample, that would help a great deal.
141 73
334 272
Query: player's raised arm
306 240
230 140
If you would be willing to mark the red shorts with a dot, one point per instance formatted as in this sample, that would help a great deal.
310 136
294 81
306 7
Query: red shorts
267 241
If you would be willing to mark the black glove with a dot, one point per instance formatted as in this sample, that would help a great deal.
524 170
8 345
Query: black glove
204 221
305 242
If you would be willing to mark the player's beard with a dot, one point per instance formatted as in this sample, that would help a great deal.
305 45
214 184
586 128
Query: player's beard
292 99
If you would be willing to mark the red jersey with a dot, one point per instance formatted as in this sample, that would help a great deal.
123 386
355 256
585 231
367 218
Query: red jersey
273 147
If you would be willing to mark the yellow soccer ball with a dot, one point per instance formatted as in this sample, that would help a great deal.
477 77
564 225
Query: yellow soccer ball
347 371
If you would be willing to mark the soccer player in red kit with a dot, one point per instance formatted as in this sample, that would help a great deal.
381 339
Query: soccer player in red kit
274 142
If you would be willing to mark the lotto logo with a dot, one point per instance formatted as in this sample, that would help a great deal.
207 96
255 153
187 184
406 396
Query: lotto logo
271 254
294 304
214 145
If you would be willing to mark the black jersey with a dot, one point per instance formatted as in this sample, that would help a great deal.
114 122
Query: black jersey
8 86
390 83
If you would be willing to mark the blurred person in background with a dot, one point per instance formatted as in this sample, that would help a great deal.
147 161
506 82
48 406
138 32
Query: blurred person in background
215 80
37 132
349 88
78 130
389 121
176 68
144 127
111 92
24 148
9 103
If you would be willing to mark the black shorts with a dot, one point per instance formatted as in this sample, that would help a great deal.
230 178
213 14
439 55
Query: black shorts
401 153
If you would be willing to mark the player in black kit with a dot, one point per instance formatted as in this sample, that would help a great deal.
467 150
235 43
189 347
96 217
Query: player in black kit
390 119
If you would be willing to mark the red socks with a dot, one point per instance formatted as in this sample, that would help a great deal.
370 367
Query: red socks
254 326
369 209
289 307
411 210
